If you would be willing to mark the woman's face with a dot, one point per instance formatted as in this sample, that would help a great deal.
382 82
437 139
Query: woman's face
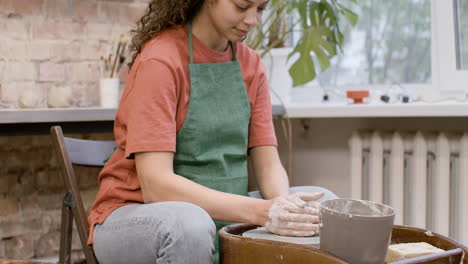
235 18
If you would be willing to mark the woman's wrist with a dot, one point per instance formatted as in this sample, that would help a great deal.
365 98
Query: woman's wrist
260 212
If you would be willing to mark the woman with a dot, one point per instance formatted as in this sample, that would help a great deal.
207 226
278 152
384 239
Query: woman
195 105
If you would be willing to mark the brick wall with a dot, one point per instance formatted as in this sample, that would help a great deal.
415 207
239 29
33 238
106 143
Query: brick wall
31 192
48 42
44 43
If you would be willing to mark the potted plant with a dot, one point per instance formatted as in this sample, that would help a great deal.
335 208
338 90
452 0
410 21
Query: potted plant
316 23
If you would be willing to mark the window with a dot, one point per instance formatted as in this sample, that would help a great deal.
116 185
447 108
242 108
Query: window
417 45
391 44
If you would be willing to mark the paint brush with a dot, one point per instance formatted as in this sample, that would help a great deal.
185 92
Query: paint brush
109 57
117 55
102 65
122 56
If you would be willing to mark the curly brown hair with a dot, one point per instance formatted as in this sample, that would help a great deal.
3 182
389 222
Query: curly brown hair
161 14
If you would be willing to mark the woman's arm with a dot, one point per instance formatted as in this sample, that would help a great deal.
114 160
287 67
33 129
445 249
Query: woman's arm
270 174
159 183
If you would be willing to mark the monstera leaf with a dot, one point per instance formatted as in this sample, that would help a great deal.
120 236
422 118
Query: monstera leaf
320 35
320 39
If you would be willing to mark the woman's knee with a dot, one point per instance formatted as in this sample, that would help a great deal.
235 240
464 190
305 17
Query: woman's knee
191 234
180 221
156 230
194 222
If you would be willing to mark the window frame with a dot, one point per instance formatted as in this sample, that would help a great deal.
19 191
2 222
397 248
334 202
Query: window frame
448 82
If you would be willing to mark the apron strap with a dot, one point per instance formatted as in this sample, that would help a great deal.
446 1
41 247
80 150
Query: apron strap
234 56
190 42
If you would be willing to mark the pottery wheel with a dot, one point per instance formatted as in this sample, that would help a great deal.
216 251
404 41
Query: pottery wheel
262 233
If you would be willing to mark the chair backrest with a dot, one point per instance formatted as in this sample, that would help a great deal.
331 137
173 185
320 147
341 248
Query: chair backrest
71 151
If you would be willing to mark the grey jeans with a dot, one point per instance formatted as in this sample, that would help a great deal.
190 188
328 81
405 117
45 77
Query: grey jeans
163 233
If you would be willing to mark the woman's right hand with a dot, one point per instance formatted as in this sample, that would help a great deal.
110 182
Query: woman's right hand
296 214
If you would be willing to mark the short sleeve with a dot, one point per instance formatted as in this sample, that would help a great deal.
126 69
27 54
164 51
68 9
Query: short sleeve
261 130
150 108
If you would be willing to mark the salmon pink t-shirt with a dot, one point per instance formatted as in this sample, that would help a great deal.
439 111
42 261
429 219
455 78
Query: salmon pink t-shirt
154 105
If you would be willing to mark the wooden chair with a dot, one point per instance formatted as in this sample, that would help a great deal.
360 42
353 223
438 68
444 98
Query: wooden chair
71 152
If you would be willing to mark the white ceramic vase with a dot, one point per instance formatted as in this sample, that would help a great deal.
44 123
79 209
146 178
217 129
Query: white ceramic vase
280 81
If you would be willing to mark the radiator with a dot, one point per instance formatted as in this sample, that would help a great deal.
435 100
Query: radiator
423 176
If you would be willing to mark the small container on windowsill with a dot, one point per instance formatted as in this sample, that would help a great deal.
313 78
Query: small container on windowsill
109 89
358 97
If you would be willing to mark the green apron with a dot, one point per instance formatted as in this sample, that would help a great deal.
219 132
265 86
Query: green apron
212 144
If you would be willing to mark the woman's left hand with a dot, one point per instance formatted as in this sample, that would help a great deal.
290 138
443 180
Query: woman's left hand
294 215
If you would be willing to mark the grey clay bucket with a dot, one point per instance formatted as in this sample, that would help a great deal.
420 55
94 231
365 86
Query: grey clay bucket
355 230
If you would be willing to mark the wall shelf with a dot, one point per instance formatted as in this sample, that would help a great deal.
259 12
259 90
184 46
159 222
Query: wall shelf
56 115
48 115
14 122
294 110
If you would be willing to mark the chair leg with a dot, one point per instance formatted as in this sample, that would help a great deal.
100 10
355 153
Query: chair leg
66 230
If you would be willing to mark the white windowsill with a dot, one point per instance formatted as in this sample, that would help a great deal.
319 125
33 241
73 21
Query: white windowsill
416 109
